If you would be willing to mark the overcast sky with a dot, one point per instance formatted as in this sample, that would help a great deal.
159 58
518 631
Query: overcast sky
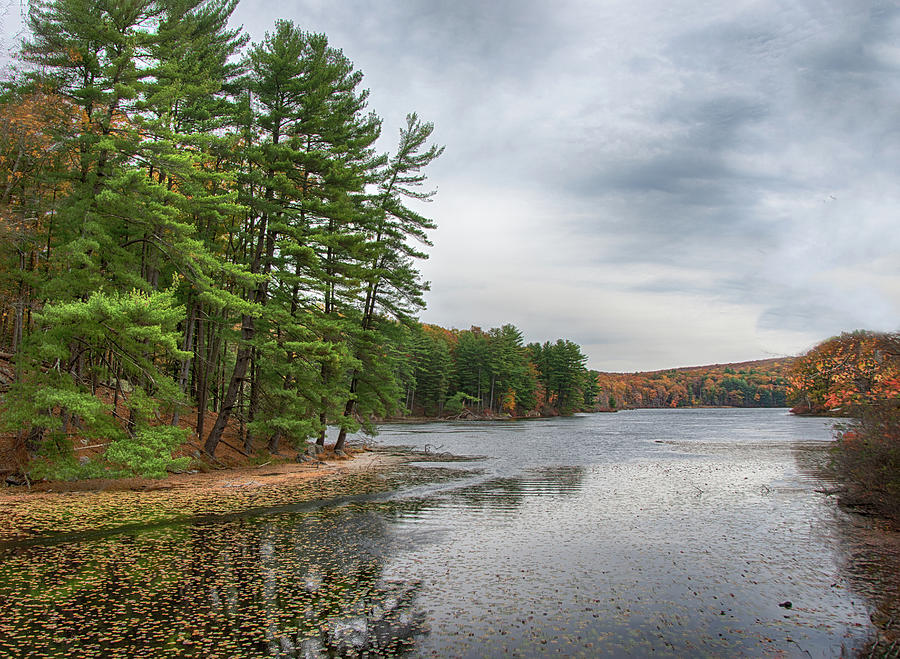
665 182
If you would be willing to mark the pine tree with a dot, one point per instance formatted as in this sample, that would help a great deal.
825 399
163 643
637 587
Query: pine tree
513 383
312 161
126 225
562 372
393 286
181 223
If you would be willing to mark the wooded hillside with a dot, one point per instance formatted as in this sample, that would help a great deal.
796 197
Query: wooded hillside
762 383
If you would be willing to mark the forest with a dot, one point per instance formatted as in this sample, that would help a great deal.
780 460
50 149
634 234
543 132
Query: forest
761 383
199 239
493 372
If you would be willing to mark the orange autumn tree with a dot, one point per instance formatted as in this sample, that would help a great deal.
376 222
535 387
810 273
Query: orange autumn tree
857 375
846 373
35 153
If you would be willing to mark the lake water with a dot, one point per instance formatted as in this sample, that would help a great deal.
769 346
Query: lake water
642 533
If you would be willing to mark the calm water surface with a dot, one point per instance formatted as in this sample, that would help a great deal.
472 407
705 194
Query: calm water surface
652 532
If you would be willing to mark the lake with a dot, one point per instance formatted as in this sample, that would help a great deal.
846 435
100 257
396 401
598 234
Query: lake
647 532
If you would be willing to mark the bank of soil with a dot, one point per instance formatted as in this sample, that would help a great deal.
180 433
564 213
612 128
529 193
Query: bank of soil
276 471
53 508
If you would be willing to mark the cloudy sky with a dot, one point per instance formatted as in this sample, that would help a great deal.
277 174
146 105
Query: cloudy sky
665 182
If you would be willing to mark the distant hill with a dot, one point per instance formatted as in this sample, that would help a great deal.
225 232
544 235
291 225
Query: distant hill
760 383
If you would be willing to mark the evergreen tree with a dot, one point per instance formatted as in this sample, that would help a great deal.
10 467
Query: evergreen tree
513 383
184 225
427 381
561 371
472 367
393 287
312 162
125 225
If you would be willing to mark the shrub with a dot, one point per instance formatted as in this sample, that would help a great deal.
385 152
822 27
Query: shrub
867 458
457 402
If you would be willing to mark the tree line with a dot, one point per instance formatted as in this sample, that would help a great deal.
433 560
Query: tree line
196 224
493 372
762 383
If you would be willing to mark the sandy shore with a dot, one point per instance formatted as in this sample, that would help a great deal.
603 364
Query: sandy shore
71 507
271 473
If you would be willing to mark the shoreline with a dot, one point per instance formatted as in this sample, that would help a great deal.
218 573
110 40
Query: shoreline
230 460
506 417
69 509
280 470
471 416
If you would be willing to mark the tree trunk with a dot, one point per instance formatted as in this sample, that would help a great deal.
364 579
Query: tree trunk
273 443
247 333
213 341
237 377
203 339
254 398
348 411
186 363
323 419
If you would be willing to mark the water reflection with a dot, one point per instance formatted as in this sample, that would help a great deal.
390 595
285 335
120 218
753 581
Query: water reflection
309 584
870 565
306 585
507 494
868 555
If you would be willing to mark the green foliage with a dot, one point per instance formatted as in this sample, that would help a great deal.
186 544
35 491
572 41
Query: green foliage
472 369
68 468
56 460
431 366
590 389
116 335
510 367
148 452
495 372
562 372
458 401
212 226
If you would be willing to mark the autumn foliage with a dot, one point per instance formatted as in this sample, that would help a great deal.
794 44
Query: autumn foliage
857 375
761 383
33 159
847 373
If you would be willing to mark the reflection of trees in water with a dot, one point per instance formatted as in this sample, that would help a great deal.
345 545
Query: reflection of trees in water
870 557
872 568
510 493
812 459
289 585
871 565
